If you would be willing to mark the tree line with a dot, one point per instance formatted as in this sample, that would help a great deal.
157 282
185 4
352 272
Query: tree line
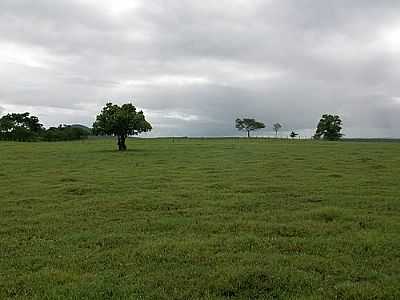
23 127
329 127
123 121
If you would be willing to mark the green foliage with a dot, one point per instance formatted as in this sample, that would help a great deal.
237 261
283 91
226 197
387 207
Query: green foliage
20 127
86 130
199 219
121 121
248 125
329 128
64 133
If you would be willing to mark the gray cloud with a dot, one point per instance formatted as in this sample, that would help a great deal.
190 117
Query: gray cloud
195 66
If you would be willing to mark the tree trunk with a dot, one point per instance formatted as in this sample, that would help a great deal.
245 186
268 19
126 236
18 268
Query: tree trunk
248 133
121 143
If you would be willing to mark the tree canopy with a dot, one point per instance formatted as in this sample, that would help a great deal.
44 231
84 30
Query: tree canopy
65 133
277 127
23 127
20 127
248 125
329 128
120 121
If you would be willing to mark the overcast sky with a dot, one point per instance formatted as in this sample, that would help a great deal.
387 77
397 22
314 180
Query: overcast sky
195 66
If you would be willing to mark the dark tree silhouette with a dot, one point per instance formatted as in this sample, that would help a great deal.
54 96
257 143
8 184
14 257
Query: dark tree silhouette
65 133
20 127
293 134
120 121
329 128
248 125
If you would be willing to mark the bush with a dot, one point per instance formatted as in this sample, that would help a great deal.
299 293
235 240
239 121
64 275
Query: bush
64 133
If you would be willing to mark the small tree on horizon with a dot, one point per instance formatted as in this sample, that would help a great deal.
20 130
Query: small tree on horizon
277 127
120 121
293 134
248 125
329 128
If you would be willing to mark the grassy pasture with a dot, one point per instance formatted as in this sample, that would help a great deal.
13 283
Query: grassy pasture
200 219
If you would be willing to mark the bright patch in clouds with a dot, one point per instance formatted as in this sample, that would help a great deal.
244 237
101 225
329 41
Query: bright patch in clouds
11 53
391 38
183 117
114 7
154 114
167 80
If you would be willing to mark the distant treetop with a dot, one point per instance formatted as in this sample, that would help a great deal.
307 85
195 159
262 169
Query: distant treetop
248 125
277 127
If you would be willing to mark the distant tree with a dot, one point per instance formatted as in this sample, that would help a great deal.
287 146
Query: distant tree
329 128
120 121
20 127
277 127
23 127
293 134
64 133
6 127
248 125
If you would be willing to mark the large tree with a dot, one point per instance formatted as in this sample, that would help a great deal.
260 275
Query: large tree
248 125
120 121
329 128
20 127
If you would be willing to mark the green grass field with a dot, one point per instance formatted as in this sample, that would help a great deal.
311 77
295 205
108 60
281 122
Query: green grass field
200 219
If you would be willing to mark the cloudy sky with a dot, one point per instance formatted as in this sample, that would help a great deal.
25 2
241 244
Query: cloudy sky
195 66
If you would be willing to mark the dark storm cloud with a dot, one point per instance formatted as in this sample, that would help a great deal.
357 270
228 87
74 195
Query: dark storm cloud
194 66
